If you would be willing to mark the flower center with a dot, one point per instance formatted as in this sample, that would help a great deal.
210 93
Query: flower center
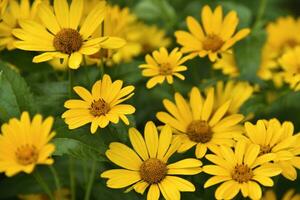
99 108
153 170
291 43
212 43
165 69
67 41
199 131
242 173
265 149
26 154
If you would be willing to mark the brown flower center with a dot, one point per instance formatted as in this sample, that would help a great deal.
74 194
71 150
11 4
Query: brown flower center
99 108
265 149
242 173
27 154
199 131
103 53
153 170
212 43
165 69
67 41
291 43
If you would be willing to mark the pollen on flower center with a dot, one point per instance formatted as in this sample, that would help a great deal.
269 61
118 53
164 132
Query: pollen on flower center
67 41
265 149
212 43
199 131
99 108
27 154
165 69
153 170
242 173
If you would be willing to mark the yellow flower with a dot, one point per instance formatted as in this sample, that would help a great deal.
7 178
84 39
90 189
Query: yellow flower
11 17
272 137
216 35
3 5
101 106
240 170
289 195
199 124
162 65
290 64
61 194
25 144
227 64
119 22
283 34
236 91
147 165
151 37
64 40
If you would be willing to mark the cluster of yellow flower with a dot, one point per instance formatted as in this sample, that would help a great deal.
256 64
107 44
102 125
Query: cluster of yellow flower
279 57
239 155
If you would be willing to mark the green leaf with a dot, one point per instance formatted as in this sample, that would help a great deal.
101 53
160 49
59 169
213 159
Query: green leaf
15 95
248 55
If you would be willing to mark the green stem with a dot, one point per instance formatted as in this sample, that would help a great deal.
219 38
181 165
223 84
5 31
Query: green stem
72 179
71 82
56 177
90 182
43 184
261 12
102 66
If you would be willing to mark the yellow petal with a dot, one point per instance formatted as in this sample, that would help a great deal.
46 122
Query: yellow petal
76 9
61 9
138 143
151 138
153 193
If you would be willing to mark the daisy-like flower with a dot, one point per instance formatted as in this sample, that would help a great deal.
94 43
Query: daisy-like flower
162 65
283 34
147 165
59 35
11 17
290 64
216 35
289 195
240 170
227 64
25 144
101 106
236 91
152 37
198 124
276 138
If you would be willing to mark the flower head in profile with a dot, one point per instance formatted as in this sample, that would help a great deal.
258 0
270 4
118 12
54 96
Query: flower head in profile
290 64
198 124
100 106
146 165
289 195
236 91
241 169
24 143
59 35
274 137
162 65
216 35
17 11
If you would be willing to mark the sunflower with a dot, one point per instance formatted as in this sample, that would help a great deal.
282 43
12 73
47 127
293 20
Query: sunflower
25 144
16 12
218 36
162 65
276 138
147 165
240 170
290 64
283 34
151 37
198 124
236 91
227 64
59 36
101 106
289 195
118 22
